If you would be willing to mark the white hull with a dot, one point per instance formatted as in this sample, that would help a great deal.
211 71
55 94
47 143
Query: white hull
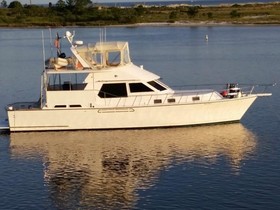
218 111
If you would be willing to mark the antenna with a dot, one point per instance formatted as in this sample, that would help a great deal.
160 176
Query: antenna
57 44
44 55
102 35
51 43
105 35
102 40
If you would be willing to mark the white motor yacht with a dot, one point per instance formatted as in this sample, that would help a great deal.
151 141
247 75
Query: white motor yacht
99 87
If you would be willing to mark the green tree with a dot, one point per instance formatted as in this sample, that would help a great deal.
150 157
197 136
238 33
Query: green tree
192 11
60 4
70 3
80 6
82 3
16 10
15 4
77 3
140 10
210 15
4 3
234 14
173 16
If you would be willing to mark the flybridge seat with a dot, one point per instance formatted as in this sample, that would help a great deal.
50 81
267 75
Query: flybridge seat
60 63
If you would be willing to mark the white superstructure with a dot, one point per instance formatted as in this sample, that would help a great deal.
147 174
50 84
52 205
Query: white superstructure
100 88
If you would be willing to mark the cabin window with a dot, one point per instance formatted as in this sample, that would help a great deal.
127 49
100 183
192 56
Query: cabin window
60 106
157 86
139 87
157 101
196 98
66 82
113 90
97 59
75 105
114 58
171 100
67 85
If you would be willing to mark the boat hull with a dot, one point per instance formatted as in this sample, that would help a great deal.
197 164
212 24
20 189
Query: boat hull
220 111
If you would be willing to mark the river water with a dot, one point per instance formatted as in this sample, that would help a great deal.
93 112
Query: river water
230 166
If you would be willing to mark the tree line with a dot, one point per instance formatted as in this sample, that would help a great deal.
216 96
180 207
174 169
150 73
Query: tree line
86 13
64 3
65 12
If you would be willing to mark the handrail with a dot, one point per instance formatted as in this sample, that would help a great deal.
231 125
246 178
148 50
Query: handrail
179 97
135 100
248 90
24 105
182 97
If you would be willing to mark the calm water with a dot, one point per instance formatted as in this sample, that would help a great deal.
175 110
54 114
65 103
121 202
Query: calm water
232 166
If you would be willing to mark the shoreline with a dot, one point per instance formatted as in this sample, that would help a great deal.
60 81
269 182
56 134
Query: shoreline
154 24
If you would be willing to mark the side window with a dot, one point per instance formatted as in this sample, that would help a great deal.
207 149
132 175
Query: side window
113 90
157 85
114 58
139 87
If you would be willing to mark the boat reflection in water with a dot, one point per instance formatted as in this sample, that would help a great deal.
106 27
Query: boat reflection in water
104 169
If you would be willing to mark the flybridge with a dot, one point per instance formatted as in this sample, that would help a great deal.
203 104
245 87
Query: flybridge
90 56
102 54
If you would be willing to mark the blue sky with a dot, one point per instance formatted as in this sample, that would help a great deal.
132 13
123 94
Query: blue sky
54 1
